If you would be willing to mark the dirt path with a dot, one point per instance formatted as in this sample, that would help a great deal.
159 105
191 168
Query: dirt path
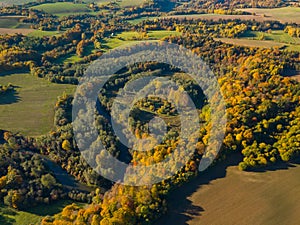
223 195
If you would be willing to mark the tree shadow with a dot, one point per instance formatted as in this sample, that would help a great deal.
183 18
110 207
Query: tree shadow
180 209
277 166
9 97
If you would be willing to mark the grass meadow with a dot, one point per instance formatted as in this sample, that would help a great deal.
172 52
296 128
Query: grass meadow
30 109
276 38
63 8
130 37
285 14
9 216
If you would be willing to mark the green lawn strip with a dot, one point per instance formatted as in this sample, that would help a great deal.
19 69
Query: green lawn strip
34 215
39 33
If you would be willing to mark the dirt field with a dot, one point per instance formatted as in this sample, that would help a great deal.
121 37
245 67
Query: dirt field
217 17
223 195
250 43
24 31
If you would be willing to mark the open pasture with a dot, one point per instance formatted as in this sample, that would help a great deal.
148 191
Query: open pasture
63 8
30 109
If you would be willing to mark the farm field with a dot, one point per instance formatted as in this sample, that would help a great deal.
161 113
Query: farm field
250 43
275 35
265 40
259 44
138 20
286 14
24 31
63 8
9 21
224 195
32 105
125 3
11 25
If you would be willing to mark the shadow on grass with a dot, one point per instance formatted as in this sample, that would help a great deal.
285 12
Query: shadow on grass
9 97
49 210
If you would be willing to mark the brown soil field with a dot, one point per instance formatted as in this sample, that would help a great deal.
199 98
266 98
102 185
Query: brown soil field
250 43
24 31
223 195
284 15
216 17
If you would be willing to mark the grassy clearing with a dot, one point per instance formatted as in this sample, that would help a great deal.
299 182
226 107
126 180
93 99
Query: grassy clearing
9 216
130 37
265 40
63 8
286 14
224 195
39 33
30 109
138 20
277 36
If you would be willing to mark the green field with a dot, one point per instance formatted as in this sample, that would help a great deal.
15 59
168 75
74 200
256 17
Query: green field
224 195
265 40
63 8
30 110
9 216
130 37
277 36
39 33
12 22
9 22
138 20
286 14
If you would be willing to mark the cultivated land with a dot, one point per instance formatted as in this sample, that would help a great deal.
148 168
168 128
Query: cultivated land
63 8
24 31
275 35
29 110
286 14
270 40
11 25
224 195
125 3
